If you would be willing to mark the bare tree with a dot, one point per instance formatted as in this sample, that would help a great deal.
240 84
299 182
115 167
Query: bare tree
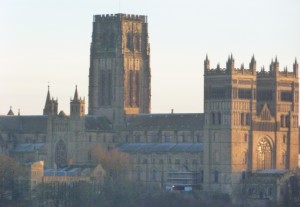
116 163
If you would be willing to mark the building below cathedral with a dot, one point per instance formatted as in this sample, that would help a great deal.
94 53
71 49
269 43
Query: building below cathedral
249 127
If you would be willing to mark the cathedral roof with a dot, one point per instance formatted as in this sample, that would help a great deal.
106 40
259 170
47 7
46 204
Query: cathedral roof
28 147
23 123
95 123
165 121
161 147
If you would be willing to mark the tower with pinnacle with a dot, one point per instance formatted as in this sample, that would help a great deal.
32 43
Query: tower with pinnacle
251 122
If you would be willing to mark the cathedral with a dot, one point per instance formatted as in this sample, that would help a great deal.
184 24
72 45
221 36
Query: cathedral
249 124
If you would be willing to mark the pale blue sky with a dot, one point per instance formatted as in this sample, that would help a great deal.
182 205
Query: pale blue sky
45 41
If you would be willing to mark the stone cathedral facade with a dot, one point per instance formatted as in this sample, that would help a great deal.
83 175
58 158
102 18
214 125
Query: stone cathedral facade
251 121
249 124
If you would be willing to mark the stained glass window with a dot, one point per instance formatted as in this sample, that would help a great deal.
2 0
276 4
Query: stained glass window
264 154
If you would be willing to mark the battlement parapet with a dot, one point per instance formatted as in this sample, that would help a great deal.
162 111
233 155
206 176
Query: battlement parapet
283 73
223 71
120 17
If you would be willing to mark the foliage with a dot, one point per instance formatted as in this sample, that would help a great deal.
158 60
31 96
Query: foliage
10 173
116 163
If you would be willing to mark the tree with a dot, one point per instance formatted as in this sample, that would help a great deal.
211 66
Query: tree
9 172
116 163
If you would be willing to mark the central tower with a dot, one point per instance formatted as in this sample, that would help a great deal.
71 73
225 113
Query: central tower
119 75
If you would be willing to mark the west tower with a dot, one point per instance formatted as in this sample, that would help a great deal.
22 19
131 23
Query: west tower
229 105
251 122
119 76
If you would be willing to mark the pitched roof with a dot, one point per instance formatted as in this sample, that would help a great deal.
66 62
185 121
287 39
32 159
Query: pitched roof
28 147
165 121
96 123
23 123
161 147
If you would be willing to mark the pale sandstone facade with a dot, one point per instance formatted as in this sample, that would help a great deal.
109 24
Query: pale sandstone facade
251 122
250 119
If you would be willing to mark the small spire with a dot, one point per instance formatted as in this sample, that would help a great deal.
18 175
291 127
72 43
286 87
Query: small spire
10 112
296 61
206 57
276 59
48 95
231 57
76 94
253 58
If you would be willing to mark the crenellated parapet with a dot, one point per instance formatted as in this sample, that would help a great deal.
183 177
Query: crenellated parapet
274 70
230 68
115 17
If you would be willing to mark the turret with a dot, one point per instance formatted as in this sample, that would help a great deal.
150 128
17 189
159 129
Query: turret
252 65
295 68
230 63
10 112
77 105
276 65
51 105
206 64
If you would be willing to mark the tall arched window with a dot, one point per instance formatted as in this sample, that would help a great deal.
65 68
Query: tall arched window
216 176
264 154
61 154
153 174
138 173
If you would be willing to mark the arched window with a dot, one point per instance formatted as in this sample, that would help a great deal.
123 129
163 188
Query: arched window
282 121
138 173
246 137
216 157
248 119
137 41
264 154
137 138
287 121
213 121
129 41
216 176
219 118
153 174
242 119
61 154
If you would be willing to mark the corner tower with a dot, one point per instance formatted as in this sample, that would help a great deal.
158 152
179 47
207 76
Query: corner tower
229 107
119 75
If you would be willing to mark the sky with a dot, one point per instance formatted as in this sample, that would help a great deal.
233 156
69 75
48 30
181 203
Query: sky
48 43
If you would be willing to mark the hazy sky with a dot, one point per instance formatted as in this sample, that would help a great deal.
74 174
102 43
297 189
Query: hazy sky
45 41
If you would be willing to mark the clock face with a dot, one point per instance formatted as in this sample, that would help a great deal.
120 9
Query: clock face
61 154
